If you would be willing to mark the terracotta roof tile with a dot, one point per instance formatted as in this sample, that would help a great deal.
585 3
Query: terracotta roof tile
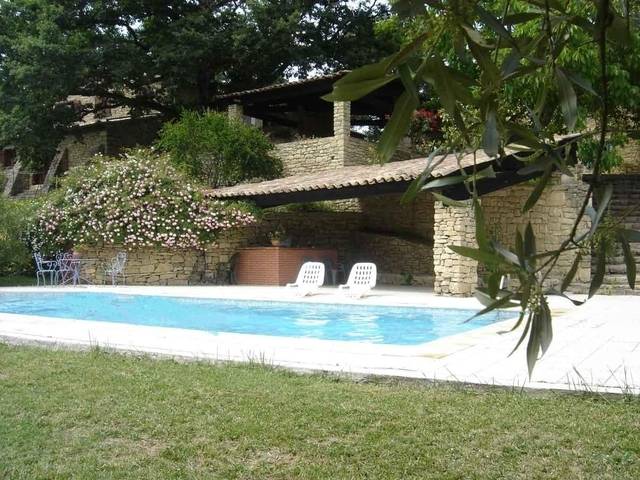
349 176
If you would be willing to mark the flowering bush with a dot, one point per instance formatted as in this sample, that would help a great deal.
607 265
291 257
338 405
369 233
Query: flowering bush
425 128
138 200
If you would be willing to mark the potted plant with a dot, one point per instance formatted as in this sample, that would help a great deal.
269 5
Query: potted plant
278 237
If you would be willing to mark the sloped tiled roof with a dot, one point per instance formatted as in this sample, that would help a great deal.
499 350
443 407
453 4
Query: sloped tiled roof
352 176
284 85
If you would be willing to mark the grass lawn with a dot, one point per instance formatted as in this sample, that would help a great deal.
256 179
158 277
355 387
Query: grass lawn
17 281
100 415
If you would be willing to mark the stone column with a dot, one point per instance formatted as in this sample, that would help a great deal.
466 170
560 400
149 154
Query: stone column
341 119
235 111
341 130
453 273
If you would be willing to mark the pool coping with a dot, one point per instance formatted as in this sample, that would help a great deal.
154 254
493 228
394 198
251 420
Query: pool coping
474 357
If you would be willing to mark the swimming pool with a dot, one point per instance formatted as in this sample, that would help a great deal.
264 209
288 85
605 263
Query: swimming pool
361 323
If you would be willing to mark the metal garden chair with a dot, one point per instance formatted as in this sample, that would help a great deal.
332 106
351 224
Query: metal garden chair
115 268
44 268
67 269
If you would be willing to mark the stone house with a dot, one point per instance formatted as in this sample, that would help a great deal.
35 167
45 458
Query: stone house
334 194
106 131
325 159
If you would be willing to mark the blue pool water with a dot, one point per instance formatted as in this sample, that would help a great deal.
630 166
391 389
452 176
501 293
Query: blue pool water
371 324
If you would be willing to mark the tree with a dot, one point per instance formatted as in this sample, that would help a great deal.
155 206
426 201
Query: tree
15 216
162 56
218 150
525 43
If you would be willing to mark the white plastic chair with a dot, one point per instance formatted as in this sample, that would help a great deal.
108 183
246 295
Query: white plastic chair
362 278
310 278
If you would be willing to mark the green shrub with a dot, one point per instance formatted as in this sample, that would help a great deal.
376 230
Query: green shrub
15 217
138 200
217 150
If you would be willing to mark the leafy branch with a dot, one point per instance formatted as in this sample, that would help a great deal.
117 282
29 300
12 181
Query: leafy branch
502 52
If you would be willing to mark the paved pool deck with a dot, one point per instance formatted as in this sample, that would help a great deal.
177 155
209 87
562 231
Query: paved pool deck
596 347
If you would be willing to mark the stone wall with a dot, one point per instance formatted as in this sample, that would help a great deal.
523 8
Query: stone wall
159 266
387 213
131 133
108 138
552 219
397 255
453 274
145 266
630 158
82 144
310 155
400 261
624 207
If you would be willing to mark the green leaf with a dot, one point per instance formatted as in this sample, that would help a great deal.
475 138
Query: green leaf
354 90
554 4
482 256
629 260
598 276
517 18
449 201
566 281
493 284
481 234
409 8
447 85
499 303
417 184
530 242
444 182
363 80
537 191
408 50
533 346
604 197
568 99
510 63
520 248
546 330
508 255
398 125
580 81
482 295
483 57
618 31
491 137
407 81
631 235
476 37
524 333
540 164
494 24
523 135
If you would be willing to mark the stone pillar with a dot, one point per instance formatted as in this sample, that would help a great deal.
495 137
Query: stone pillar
341 119
453 273
235 111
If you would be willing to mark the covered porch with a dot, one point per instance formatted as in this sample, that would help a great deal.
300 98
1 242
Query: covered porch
359 212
